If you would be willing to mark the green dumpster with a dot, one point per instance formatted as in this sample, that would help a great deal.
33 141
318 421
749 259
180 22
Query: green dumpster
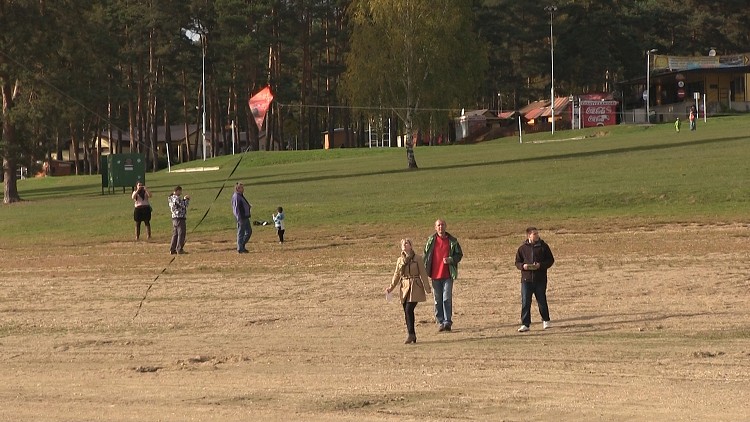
125 170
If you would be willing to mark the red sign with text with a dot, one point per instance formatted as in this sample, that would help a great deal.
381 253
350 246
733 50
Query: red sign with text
598 113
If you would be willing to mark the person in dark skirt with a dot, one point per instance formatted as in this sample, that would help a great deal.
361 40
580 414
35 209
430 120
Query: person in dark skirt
142 211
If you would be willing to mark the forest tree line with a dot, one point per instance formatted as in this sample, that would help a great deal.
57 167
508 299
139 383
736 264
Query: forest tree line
70 69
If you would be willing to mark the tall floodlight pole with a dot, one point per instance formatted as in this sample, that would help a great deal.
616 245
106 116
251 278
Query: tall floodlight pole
552 10
197 34
648 84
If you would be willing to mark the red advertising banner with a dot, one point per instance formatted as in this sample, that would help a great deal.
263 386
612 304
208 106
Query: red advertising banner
259 105
598 113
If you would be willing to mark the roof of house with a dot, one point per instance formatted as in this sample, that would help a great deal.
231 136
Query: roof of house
542 108
533 114
560 104
478 114
532 106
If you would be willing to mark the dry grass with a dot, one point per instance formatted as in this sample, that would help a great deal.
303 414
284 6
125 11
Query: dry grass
650 323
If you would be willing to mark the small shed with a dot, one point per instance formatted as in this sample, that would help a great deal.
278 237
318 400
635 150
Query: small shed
57 168
338 140
475 121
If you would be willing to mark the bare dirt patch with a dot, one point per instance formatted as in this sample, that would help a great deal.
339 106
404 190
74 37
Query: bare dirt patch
650 323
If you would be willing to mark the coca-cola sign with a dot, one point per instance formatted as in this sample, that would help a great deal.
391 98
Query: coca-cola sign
598 119
598 110
598 113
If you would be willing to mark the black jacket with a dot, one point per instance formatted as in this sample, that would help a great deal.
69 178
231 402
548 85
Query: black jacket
528 254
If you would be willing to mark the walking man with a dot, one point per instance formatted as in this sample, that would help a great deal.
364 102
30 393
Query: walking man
241 209
533 258
442 253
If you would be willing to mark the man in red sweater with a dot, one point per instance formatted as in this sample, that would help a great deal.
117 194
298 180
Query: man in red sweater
442 253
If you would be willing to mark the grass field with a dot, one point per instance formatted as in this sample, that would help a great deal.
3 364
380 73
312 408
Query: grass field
648 295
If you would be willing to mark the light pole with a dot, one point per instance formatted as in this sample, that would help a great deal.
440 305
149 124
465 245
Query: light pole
552 10
648 84
203 49
198 35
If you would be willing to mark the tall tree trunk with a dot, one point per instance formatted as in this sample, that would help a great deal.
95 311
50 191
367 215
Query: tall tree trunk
232 109
112 148
268 132
152 101
167 136
279 122
140 114
88 145
74 148
410 159
217 129
58 146
347 129
187 125
307 78
153 134
131 127
10 186
199 133
99 146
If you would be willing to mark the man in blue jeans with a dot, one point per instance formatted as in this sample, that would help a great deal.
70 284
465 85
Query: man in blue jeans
533 258
241 209
442 253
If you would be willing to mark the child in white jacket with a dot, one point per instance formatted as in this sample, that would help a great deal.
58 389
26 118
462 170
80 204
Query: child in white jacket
278 222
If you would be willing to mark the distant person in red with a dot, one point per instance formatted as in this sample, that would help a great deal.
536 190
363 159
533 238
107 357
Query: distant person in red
142 211
442 253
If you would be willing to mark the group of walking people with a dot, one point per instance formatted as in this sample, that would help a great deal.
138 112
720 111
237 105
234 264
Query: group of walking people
416 276
178 206
435 272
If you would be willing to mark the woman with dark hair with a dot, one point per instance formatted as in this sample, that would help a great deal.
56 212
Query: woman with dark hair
142 211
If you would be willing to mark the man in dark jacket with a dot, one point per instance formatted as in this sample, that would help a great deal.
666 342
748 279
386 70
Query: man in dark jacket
533 258
241 209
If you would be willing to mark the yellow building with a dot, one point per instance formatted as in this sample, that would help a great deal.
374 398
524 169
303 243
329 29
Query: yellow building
723 80
714 84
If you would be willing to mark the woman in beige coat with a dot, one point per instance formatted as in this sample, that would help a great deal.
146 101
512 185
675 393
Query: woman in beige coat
415 285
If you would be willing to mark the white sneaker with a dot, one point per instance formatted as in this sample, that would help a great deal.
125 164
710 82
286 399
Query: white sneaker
523 329
547 324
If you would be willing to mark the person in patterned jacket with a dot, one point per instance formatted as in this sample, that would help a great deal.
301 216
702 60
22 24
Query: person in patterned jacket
178 205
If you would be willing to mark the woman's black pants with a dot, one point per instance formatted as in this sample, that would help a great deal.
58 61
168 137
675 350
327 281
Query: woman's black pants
409 315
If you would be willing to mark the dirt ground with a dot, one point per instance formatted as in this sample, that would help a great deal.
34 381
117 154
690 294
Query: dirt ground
651 323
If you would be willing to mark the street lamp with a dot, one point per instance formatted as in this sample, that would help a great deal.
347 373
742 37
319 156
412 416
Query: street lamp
648 84
552 10
198 35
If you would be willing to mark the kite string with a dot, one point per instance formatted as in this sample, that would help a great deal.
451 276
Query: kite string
223 185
